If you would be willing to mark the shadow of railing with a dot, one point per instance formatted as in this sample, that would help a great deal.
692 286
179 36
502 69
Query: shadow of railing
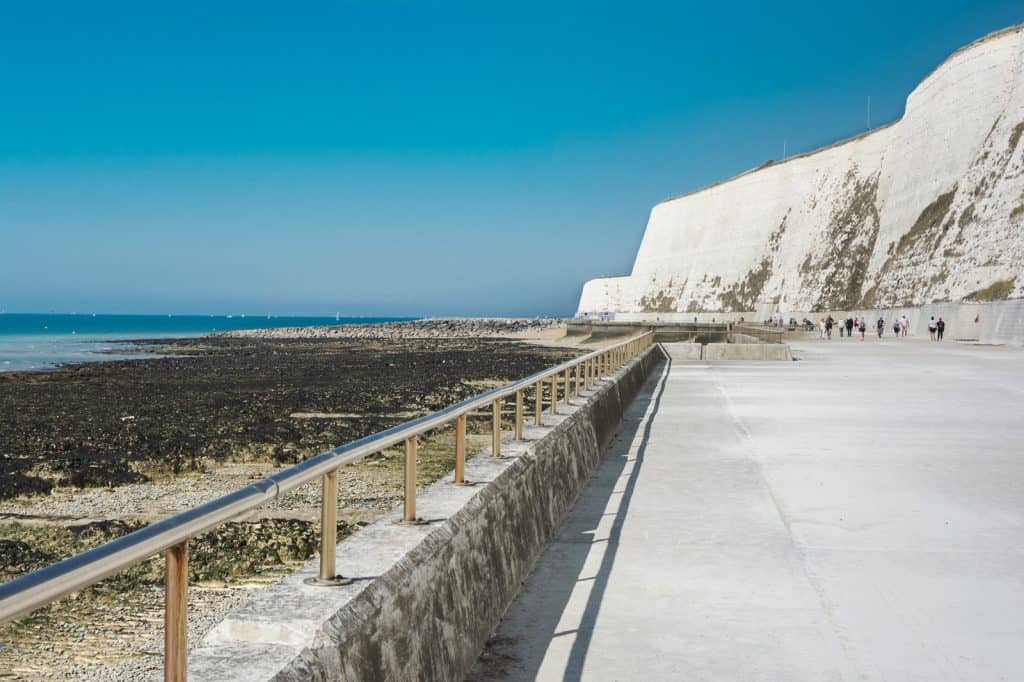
576 538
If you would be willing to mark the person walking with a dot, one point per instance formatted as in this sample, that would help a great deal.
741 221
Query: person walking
829 323
904 325
862 327
881 326
896 328
932 328
849 327
940 328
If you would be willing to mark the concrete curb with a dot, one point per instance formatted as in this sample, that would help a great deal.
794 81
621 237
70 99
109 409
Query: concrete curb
432 594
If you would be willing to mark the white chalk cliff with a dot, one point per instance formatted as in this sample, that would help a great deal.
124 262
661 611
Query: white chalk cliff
929 208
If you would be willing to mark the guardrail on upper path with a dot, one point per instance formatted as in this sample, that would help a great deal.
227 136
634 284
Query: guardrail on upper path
171 535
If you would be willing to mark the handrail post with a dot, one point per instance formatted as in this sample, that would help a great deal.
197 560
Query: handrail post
460 449
175 613
496 428
409 512
328 524
538 408
519 415
577 376
554 393
567 395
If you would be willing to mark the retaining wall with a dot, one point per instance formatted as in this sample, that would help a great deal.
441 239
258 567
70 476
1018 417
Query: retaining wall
746 351
429 595
995 322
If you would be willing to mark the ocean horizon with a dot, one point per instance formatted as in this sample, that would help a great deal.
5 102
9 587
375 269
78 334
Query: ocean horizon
40 341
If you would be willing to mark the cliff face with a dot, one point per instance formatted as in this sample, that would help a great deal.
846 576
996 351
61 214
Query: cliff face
929 208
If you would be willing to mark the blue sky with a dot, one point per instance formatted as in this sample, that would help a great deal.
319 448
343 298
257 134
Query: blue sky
423 158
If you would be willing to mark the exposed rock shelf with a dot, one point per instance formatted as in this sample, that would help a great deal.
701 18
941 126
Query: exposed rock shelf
440 328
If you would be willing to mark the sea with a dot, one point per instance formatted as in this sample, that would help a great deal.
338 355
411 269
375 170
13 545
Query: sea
44 341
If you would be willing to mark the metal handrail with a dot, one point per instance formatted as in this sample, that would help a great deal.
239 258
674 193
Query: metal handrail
171 535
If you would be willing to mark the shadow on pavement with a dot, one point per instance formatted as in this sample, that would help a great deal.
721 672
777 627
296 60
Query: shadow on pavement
560 569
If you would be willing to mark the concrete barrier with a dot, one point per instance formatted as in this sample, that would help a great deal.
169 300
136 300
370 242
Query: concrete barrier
428 596
714 352
683 352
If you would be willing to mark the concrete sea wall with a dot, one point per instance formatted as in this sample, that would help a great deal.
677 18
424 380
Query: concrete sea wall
996 322
925 210
427 597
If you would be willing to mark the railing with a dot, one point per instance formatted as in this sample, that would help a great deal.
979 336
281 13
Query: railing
764 334
170 536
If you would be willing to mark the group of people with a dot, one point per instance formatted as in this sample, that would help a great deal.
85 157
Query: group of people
900 326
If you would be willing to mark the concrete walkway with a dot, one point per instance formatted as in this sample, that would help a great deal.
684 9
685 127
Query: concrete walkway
858 514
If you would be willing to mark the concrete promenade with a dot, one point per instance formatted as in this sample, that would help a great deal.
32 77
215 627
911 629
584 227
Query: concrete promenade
858 514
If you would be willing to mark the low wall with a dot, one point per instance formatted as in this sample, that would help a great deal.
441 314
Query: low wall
683 352
996 322
746 351
671 332
427 596
721 352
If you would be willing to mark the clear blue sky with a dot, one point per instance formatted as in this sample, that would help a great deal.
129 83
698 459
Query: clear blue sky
406 158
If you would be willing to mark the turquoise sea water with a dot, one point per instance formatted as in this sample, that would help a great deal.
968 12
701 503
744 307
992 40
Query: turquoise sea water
34 342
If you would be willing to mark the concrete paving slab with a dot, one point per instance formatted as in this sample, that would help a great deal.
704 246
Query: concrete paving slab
858 514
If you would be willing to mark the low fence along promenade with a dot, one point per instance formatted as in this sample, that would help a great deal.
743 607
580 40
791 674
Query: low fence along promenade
540 393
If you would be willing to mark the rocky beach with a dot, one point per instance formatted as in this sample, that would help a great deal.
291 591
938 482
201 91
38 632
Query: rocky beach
92 451
433 328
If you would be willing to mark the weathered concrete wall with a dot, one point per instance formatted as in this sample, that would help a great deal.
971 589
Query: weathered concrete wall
715 352
929 208
998 322
432 593
683 352
995 322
